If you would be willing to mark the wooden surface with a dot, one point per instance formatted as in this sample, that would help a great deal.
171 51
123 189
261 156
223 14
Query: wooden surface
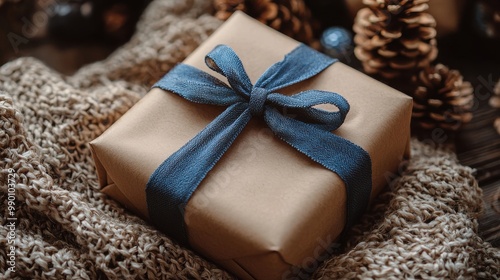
478 146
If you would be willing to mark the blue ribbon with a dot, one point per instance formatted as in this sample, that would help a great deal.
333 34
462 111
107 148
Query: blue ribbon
174 181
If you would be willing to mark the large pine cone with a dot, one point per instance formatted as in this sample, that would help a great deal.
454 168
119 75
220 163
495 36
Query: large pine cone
442 99
495 103
395 37
291 17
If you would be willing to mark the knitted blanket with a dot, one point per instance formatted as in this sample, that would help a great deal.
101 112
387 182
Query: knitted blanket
61 226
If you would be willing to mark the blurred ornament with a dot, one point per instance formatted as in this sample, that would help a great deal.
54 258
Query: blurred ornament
395 38
80 20
495 103
75 20
487 18
291 17
442 99
337 42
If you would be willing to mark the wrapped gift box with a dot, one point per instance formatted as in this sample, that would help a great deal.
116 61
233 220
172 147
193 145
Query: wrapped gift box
265 208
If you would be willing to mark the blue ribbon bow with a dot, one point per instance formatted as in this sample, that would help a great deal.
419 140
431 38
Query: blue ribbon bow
174 181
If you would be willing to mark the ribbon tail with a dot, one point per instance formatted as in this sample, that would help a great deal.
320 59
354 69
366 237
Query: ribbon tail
174 181
299 65
346 159
197 86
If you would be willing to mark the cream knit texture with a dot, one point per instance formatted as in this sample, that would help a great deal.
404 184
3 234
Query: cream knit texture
423 226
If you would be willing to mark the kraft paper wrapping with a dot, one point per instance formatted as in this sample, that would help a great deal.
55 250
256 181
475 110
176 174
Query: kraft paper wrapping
264 207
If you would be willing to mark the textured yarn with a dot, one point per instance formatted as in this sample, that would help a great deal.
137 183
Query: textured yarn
424 225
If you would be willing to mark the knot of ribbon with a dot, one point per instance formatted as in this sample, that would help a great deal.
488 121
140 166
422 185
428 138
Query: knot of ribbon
309 132
258 98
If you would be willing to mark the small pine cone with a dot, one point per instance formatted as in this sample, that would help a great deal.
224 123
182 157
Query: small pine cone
496 125
291 17
442 99
225 8
495 103
395 37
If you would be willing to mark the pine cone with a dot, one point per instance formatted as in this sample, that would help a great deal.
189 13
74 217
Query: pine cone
495 103
291 17
442 99
395 37
225 8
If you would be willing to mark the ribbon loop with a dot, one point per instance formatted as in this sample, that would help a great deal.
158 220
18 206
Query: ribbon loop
224 61
171 185
306 102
